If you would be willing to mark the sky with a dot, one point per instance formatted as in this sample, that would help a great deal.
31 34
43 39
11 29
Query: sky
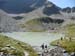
64 3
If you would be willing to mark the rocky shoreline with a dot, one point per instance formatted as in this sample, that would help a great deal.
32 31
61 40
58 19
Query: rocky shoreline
57 51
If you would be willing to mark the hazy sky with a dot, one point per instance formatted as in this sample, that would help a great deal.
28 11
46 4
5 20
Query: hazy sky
64 3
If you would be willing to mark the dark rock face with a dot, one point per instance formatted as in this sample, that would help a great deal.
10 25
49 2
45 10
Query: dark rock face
20 6
73 9
50 20
1 3
59 21
18 17
53 9
46 20
25 6
68 10
14 6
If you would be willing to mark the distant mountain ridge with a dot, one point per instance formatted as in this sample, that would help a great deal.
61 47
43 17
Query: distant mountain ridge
26 6
20 6
69 10
31 10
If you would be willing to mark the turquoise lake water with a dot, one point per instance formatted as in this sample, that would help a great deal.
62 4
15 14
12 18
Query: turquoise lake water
35 38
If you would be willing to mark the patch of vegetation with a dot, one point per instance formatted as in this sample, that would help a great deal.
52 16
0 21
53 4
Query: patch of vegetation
70 30
68 42
15 47
41 24
34 25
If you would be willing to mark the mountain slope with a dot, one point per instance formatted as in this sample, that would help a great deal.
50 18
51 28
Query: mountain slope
25 6
42 24
12 6
13 14
15 47
7 23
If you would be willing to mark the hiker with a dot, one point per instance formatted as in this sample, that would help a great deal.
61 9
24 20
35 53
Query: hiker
42 46
61 38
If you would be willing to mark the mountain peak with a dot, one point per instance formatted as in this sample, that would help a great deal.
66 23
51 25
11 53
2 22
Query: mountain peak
69 10
23 6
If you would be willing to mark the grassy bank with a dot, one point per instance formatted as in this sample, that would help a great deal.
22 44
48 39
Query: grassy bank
15 47
68 42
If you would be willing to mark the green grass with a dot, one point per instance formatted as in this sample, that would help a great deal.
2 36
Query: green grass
69 40
19 46
33 25
66 44
70 30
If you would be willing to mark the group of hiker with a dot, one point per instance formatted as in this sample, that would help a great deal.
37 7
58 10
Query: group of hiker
43 46
58 51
